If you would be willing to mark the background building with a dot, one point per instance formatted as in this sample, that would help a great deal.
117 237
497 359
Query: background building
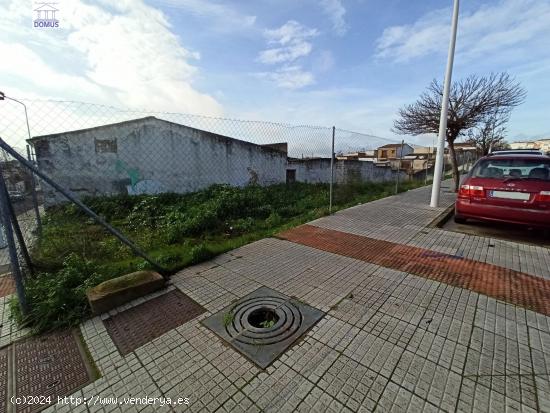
150 156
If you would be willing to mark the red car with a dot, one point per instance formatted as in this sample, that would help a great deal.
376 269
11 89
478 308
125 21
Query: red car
512 188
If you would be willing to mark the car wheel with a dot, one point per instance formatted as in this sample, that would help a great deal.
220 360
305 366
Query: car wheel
460 220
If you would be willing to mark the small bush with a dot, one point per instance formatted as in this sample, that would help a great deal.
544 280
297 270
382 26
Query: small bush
273 220
240 226
58 299
143 265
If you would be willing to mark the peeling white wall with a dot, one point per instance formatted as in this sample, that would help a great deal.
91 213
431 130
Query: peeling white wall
133 157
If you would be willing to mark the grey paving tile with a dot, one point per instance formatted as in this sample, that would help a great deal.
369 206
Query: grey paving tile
354 385
279 388
492 354
310 358
428 380
320 401
375 353
398 399
334 333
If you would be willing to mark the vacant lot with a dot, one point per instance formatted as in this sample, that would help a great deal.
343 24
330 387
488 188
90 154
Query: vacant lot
176 230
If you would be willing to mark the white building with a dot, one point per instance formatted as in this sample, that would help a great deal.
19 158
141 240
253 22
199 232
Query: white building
151 155
542 144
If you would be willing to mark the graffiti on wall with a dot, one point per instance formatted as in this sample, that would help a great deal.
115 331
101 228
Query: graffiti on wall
147 186
137 185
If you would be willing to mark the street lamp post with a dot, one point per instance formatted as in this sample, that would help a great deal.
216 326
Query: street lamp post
438 169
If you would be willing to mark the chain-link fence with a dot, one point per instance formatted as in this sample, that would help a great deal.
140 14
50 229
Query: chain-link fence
129 190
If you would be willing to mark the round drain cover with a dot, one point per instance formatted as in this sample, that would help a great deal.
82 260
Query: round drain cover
264 320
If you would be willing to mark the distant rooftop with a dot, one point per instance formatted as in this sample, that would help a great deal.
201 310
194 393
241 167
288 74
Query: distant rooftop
393 145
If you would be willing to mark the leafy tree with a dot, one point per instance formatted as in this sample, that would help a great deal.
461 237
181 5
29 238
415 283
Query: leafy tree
472 101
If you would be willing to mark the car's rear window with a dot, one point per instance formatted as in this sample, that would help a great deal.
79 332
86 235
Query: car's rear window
513 168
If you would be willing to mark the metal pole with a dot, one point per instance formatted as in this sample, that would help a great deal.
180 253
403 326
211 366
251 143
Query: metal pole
19 235
399 167
82 206
444 110
12 249
331 171
34 197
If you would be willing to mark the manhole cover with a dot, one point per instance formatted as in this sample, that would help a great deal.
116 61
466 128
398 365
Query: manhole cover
138 325
7 286
49 365
263 324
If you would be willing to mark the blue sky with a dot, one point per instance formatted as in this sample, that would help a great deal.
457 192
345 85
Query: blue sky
349 63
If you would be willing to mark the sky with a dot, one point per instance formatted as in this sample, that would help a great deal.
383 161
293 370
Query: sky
348 63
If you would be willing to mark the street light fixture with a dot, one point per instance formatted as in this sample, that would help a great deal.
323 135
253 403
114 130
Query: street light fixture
3 97
438 169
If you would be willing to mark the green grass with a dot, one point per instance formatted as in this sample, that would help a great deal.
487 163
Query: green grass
176 230
228 318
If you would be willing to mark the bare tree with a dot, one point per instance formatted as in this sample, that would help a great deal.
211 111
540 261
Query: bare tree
471 101
490 133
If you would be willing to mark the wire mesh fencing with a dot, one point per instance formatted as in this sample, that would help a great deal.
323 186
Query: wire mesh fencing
129 190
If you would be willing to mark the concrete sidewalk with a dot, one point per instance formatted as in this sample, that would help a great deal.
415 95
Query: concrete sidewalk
394 337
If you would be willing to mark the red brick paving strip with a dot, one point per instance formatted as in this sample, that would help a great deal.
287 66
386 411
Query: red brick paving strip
501 283
49 365
7 286
138 325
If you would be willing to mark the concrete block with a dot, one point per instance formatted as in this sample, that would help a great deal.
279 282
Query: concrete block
120 290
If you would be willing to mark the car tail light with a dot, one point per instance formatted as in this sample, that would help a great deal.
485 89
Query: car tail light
467 191
477 191
543 196
464 191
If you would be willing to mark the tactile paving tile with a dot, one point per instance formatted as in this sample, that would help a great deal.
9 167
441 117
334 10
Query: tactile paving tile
7 285
138 325
49 365
498 282
3 380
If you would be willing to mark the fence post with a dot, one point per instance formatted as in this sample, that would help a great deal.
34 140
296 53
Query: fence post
34 197
399 167
331 171
15 269
18 234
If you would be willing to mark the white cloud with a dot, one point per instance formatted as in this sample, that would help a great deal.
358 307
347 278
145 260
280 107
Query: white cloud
336 11
290 32
226 18
292 40
501 28
122 53
285 54
289 77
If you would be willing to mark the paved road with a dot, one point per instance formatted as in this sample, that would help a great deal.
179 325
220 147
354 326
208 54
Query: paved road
516 233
